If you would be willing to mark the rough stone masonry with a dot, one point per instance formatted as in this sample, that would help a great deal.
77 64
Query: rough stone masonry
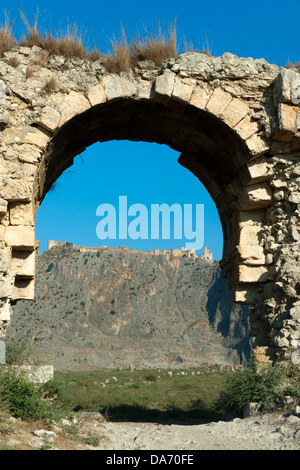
235 122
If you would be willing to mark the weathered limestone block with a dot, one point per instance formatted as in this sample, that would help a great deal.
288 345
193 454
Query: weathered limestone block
287 119
21 213
49 119
235 112
246 295
116 86
34 374
218 102
70 105
145 90
164 85
16 191
96 95
183 89
23 264
247 127
200 96
250 248
20 237
295 232
260 195
128 85
28 153
294 197
258 169
23 289
112 87
257 145
36 137
286 82
251 274
9 169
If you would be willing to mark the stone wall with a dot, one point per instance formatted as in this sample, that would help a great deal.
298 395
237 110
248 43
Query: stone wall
236 123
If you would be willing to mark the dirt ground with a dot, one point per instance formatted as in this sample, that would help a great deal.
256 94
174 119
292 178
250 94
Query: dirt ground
274 431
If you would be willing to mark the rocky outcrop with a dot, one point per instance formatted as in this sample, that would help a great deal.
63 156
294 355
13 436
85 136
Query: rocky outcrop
110 308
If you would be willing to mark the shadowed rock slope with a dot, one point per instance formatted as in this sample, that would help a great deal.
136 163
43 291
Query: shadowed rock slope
117 307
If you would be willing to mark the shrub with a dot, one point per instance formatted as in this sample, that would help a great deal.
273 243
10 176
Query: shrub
266 385
22 399
19 352
56 394
29 401
150 377
49 267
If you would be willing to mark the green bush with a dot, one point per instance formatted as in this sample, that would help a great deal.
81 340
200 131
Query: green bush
29 401
49 268
22 399
20 353
150 377
61 401
266 385
17 352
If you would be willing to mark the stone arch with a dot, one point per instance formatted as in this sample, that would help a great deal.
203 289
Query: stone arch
237 129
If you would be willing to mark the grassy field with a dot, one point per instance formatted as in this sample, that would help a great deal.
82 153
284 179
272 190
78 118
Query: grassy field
146 395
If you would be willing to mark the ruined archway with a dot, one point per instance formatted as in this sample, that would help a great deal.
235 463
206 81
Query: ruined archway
237 128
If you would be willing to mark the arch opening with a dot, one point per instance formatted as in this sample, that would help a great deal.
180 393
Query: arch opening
187 274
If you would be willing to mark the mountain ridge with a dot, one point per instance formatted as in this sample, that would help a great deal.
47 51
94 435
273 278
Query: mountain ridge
120 308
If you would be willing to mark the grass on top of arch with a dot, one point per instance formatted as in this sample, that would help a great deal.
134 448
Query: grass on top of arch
157 46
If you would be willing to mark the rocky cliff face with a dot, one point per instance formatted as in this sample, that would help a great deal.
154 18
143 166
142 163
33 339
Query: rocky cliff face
122 308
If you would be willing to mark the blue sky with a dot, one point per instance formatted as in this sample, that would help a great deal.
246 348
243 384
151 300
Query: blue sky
149 173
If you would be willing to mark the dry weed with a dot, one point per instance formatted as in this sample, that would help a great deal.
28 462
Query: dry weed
29 71
7 41
50 85
157 48
13 62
